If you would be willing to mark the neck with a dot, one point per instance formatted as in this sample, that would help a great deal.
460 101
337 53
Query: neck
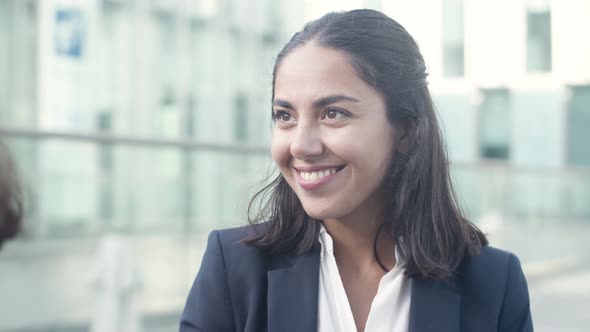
354 240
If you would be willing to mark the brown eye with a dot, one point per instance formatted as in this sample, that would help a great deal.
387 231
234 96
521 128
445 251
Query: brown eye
282 116
334 114
285 116
331 114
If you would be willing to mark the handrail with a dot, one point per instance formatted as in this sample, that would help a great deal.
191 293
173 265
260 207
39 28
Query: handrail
190 144
186 144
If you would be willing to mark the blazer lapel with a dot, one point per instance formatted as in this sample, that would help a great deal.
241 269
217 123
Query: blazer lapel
293 294
434 306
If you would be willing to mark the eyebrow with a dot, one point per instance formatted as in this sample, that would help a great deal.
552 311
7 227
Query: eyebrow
320 103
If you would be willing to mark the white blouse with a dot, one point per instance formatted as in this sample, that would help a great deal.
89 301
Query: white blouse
390 310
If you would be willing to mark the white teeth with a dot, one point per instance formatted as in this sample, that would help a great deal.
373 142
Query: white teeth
313 176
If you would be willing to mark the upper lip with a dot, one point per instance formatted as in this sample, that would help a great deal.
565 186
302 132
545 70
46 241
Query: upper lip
316 168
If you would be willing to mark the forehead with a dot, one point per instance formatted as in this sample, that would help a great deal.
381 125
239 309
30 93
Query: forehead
313 71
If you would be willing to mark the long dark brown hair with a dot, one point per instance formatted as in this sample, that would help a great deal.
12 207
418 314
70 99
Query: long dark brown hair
11 206
423 216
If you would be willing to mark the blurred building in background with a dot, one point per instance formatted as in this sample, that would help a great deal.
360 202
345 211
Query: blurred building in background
172 71
511 81
151 119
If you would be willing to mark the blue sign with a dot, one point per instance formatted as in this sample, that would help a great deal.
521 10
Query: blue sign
70 29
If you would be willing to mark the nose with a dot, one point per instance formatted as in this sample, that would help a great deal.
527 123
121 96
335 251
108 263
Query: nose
307 142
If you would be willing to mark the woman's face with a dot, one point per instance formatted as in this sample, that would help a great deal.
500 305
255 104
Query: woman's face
331 138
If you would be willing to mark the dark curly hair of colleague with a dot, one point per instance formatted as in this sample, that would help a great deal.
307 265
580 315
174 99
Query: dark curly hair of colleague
11 204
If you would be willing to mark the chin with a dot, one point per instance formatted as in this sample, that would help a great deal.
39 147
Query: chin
320 213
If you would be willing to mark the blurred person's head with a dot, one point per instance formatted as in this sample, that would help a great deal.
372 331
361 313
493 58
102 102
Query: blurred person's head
392 148
11 206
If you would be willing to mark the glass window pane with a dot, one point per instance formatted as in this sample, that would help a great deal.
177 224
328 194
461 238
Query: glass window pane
453 39
538 39
578 134
494 130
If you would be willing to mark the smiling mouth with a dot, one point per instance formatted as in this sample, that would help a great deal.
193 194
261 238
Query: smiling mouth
312 176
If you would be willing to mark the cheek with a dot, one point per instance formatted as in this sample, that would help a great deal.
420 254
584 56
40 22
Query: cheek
373 150
279 150
383 153
358 143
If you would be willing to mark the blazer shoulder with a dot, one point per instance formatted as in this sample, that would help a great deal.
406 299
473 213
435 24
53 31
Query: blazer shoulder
491 266
233 235
496 275
515 312
232 239
231 278
489 257
240 257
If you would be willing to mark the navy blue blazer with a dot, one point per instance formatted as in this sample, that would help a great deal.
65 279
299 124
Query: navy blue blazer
240 288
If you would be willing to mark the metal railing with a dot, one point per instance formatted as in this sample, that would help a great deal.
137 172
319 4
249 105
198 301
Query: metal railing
194 183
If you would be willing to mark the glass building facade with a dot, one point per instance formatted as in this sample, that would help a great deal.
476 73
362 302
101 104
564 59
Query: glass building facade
151 120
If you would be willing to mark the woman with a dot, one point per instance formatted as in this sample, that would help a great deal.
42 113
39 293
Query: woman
362 228
11 211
